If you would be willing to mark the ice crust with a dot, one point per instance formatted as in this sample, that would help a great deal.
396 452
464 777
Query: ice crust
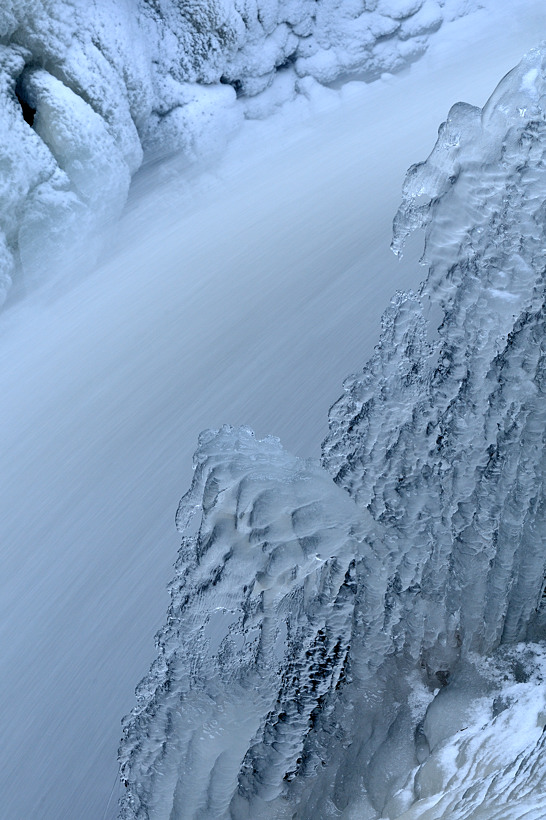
494 766
102 81
346 642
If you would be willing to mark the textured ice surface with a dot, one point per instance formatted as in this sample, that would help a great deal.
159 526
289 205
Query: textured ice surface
442 434
86 86
323 644
257 634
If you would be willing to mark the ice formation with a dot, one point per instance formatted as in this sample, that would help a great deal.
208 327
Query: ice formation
86 87
353 647
493 766
442 434
268 580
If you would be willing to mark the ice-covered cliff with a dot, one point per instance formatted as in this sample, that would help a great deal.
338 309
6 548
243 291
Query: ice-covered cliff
353 647
86 87
441 436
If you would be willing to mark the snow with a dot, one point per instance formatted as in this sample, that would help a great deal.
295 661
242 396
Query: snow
109 80
107 383
492 767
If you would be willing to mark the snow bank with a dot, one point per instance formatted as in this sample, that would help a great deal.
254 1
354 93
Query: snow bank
86 87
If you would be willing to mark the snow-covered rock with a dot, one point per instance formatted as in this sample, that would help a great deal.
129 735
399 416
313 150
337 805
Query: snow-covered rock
87 87
491 764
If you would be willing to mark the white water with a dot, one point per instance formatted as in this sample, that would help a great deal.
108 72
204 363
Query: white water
244 298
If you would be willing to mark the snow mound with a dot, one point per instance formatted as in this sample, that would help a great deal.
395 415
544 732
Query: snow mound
494 766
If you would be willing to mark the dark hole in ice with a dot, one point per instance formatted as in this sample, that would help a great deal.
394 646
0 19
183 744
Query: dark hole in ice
28 111
499 705
443 676
289 61
236 84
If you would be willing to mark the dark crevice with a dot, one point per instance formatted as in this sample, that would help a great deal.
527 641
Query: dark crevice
236 84
288 62
28 111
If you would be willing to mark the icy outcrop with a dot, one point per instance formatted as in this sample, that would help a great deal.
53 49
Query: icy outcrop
86 87
344 651
75 89
441 437
257 634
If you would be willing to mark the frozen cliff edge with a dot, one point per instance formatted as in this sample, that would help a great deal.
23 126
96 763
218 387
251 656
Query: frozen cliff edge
359 647
87 87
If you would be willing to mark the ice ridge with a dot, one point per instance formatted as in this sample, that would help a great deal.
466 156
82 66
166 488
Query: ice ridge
442 434
345 641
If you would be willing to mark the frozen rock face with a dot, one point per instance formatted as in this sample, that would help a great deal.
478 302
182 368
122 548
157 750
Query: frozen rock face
85 87
336 651
75 89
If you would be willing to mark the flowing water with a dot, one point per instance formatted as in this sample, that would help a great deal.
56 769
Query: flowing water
242 293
